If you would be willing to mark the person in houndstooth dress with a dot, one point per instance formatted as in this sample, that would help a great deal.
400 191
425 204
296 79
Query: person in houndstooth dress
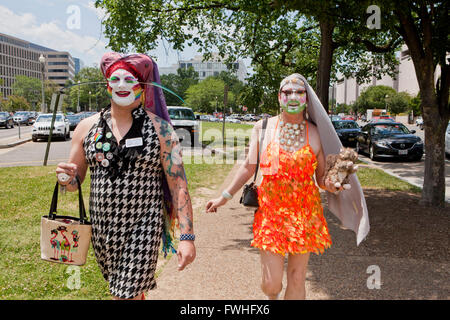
135 163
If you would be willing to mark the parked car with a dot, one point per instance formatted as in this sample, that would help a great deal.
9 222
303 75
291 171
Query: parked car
250 117
33 116
41 128
22 117
347 131
389 139
232 120
6 120
184 123
349 118
335 118
74 120
381 118
447 141
419 122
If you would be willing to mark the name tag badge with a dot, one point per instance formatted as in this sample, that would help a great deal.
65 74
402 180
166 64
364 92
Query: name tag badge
135 142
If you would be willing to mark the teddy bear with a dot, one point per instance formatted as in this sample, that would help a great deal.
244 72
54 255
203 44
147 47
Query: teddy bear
339 167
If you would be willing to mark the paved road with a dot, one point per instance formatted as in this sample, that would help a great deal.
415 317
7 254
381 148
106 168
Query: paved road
33 153
14 132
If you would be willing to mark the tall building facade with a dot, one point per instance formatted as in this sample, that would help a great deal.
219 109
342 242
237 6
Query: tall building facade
20 57
348 90
212 67
17 57
79 64
60 67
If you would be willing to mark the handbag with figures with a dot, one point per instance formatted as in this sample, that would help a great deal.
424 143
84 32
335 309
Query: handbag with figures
65 239
249 196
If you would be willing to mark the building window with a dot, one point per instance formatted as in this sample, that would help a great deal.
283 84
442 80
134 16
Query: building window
58 78
57 70
405 54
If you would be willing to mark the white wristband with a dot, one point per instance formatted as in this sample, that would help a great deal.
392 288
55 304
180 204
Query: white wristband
226 195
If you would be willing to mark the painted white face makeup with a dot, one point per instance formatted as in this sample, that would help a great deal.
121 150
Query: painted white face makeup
293 98
124 88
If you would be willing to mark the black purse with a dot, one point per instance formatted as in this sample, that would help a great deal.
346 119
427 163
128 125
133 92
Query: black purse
249 196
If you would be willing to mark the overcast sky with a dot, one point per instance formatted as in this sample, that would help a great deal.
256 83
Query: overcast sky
54 24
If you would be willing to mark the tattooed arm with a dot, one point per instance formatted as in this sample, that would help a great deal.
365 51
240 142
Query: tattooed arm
172 164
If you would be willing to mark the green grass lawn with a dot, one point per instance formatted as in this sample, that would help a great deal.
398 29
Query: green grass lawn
25 197
378 179
235 134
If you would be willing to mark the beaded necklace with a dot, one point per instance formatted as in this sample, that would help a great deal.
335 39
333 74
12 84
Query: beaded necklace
291 135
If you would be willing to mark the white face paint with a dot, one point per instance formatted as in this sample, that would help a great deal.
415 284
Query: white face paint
125 88
293 97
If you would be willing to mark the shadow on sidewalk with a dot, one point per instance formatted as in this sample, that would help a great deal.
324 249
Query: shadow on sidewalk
407 242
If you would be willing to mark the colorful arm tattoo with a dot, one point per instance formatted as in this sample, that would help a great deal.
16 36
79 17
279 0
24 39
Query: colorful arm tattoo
172 162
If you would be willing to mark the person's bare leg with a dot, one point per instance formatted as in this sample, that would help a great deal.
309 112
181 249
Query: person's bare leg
296 276
272 267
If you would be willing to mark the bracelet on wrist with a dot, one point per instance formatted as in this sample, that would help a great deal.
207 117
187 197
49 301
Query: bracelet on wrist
187 236
226 195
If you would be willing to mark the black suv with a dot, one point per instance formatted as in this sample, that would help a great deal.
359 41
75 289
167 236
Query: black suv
347 131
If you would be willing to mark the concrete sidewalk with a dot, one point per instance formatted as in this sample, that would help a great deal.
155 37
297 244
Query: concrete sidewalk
408 251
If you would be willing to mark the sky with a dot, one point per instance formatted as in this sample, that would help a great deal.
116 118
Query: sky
70 25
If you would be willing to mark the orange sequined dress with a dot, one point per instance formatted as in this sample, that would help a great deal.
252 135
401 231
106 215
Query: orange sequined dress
290 214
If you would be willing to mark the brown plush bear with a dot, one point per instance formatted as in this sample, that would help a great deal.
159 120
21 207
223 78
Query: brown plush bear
340 166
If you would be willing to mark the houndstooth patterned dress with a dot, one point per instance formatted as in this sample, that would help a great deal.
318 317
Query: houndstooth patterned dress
126 211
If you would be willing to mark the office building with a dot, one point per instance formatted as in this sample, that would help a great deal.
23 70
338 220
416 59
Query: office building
59 66
348 90
20 57
79 64
212 67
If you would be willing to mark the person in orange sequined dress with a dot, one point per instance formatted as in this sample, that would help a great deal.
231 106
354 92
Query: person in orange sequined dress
289 220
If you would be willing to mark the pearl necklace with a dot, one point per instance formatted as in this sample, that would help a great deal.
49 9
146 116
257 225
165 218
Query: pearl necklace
291 135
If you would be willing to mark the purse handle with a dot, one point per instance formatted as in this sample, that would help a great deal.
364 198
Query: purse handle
54 204
263 132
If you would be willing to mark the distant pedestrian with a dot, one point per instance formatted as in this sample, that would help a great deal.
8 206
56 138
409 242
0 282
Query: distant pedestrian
290 218
138 185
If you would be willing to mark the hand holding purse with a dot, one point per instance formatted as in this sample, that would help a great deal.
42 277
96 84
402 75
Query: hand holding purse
249 196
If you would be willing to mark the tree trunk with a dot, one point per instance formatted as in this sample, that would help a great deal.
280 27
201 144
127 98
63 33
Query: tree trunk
434 108
325 60
433 192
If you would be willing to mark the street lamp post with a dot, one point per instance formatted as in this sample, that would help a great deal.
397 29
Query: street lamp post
385 100
42 61
89 101
78 103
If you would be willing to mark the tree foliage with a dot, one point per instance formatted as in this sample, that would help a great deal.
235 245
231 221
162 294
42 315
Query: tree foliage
208 96
373 97
16 103
91 80
178 83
